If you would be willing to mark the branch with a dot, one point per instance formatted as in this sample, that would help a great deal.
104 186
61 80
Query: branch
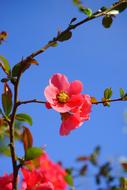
109 101
72 27
11 129
30 101
97 102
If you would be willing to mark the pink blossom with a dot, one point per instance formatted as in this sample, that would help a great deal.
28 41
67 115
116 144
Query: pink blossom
46 176
63 95
35 180
6 182
75 118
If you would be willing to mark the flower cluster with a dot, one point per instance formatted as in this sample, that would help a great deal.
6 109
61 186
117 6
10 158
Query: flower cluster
65 97
39 174
43 175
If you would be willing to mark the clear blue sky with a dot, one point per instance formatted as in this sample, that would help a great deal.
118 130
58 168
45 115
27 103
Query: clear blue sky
94 55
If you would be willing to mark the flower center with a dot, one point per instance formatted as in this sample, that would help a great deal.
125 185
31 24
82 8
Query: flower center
62 97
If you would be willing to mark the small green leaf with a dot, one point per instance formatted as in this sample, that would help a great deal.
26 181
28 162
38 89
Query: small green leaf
7 104
32 153
68 178
122 93
7 99
23 66
107 93
5 65
64 36
105 102
107 21
87 12
24 117
15 70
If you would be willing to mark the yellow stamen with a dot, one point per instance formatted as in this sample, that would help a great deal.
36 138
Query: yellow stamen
62 97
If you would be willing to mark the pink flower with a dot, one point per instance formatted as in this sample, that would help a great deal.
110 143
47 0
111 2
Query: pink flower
75 118
46 176
63 95
6 182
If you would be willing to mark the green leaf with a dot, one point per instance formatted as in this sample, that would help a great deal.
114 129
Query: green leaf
122 93
107 21
15 70
32 153
6 103
68 178
107 93
24 117
64 36
7 99
23 66
5 65
87 12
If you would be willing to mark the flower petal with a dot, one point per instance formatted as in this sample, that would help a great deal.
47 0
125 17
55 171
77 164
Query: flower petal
45 186
72 122
86 107
60 81
75 87
62 108
50 93
75 101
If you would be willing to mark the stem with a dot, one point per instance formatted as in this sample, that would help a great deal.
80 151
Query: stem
110 100
30 101
12 145
43 102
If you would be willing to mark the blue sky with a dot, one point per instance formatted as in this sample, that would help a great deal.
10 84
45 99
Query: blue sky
94 55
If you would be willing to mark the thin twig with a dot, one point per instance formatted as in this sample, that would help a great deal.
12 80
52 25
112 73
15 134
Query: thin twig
97 102
30 101
109 101
72 27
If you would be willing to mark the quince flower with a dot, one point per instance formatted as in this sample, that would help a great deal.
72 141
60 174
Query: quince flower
63 95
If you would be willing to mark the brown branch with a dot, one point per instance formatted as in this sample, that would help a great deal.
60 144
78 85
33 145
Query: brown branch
72 27
109 101
43 102
11 129
30 101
